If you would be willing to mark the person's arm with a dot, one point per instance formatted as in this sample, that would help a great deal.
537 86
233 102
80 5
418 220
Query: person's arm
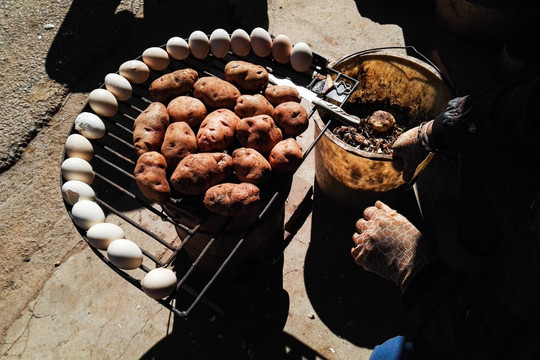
503 118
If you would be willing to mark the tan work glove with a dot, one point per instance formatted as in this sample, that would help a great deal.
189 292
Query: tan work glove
410 151
386 243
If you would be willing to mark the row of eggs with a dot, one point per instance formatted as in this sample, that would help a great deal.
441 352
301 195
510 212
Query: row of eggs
77 170
88 215
104 101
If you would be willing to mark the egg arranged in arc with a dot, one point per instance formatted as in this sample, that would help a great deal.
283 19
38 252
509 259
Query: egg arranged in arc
301 57
135 71
178 48
240 42
103 234
103 102
125 254
79 146
77 169
261 42
156 58
90 125
199 44
75 190
281 49
87 213
220 43
159 283
119 86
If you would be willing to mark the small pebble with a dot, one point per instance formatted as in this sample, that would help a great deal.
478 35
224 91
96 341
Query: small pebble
48 26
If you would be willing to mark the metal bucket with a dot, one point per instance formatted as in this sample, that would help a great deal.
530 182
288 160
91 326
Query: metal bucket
346 174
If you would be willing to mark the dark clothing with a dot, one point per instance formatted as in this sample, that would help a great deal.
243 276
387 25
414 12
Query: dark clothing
493 313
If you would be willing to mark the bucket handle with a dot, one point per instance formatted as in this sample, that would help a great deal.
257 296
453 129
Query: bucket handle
421 56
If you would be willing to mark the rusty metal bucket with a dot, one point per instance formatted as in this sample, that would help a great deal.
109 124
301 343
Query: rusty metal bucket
346 174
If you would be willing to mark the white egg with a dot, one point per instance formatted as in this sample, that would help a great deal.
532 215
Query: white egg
281 49
103 102
240 43
77 169
79 146
261 42
103 234
220 43
119 86
156 58
125 254
178 48
135 71
159 283
301 57
199 44
90 125
75 190
87 213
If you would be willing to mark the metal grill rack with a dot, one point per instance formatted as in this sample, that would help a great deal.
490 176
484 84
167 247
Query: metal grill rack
114 161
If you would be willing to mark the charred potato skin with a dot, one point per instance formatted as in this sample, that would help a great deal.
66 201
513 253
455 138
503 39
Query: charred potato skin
286 156
278 94
292 118
179 142
231 199
251 166
171 85
151 177
216 93
249 77
149 128
217 131
258 132
198 172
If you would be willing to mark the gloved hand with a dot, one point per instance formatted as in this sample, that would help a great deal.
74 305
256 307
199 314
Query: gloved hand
387 244
409 149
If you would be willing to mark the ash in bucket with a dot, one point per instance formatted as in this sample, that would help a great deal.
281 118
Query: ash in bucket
373 134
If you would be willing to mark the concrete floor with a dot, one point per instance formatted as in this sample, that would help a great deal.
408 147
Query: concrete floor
59 300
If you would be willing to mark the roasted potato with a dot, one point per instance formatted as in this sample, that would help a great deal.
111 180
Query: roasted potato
188 109
231 199
278 94
248 77
196 173
286 156
258 132
150 176
149 128
179 142
292 118
251 166
173 84
217 131
216 93
251 105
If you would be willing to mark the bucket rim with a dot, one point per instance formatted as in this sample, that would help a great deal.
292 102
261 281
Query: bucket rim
391 51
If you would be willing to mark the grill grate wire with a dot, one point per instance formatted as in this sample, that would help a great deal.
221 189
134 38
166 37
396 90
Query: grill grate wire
114 161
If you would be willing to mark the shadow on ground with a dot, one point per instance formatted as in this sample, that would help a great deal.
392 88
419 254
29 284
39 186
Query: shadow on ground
245 320
94 39
355 304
